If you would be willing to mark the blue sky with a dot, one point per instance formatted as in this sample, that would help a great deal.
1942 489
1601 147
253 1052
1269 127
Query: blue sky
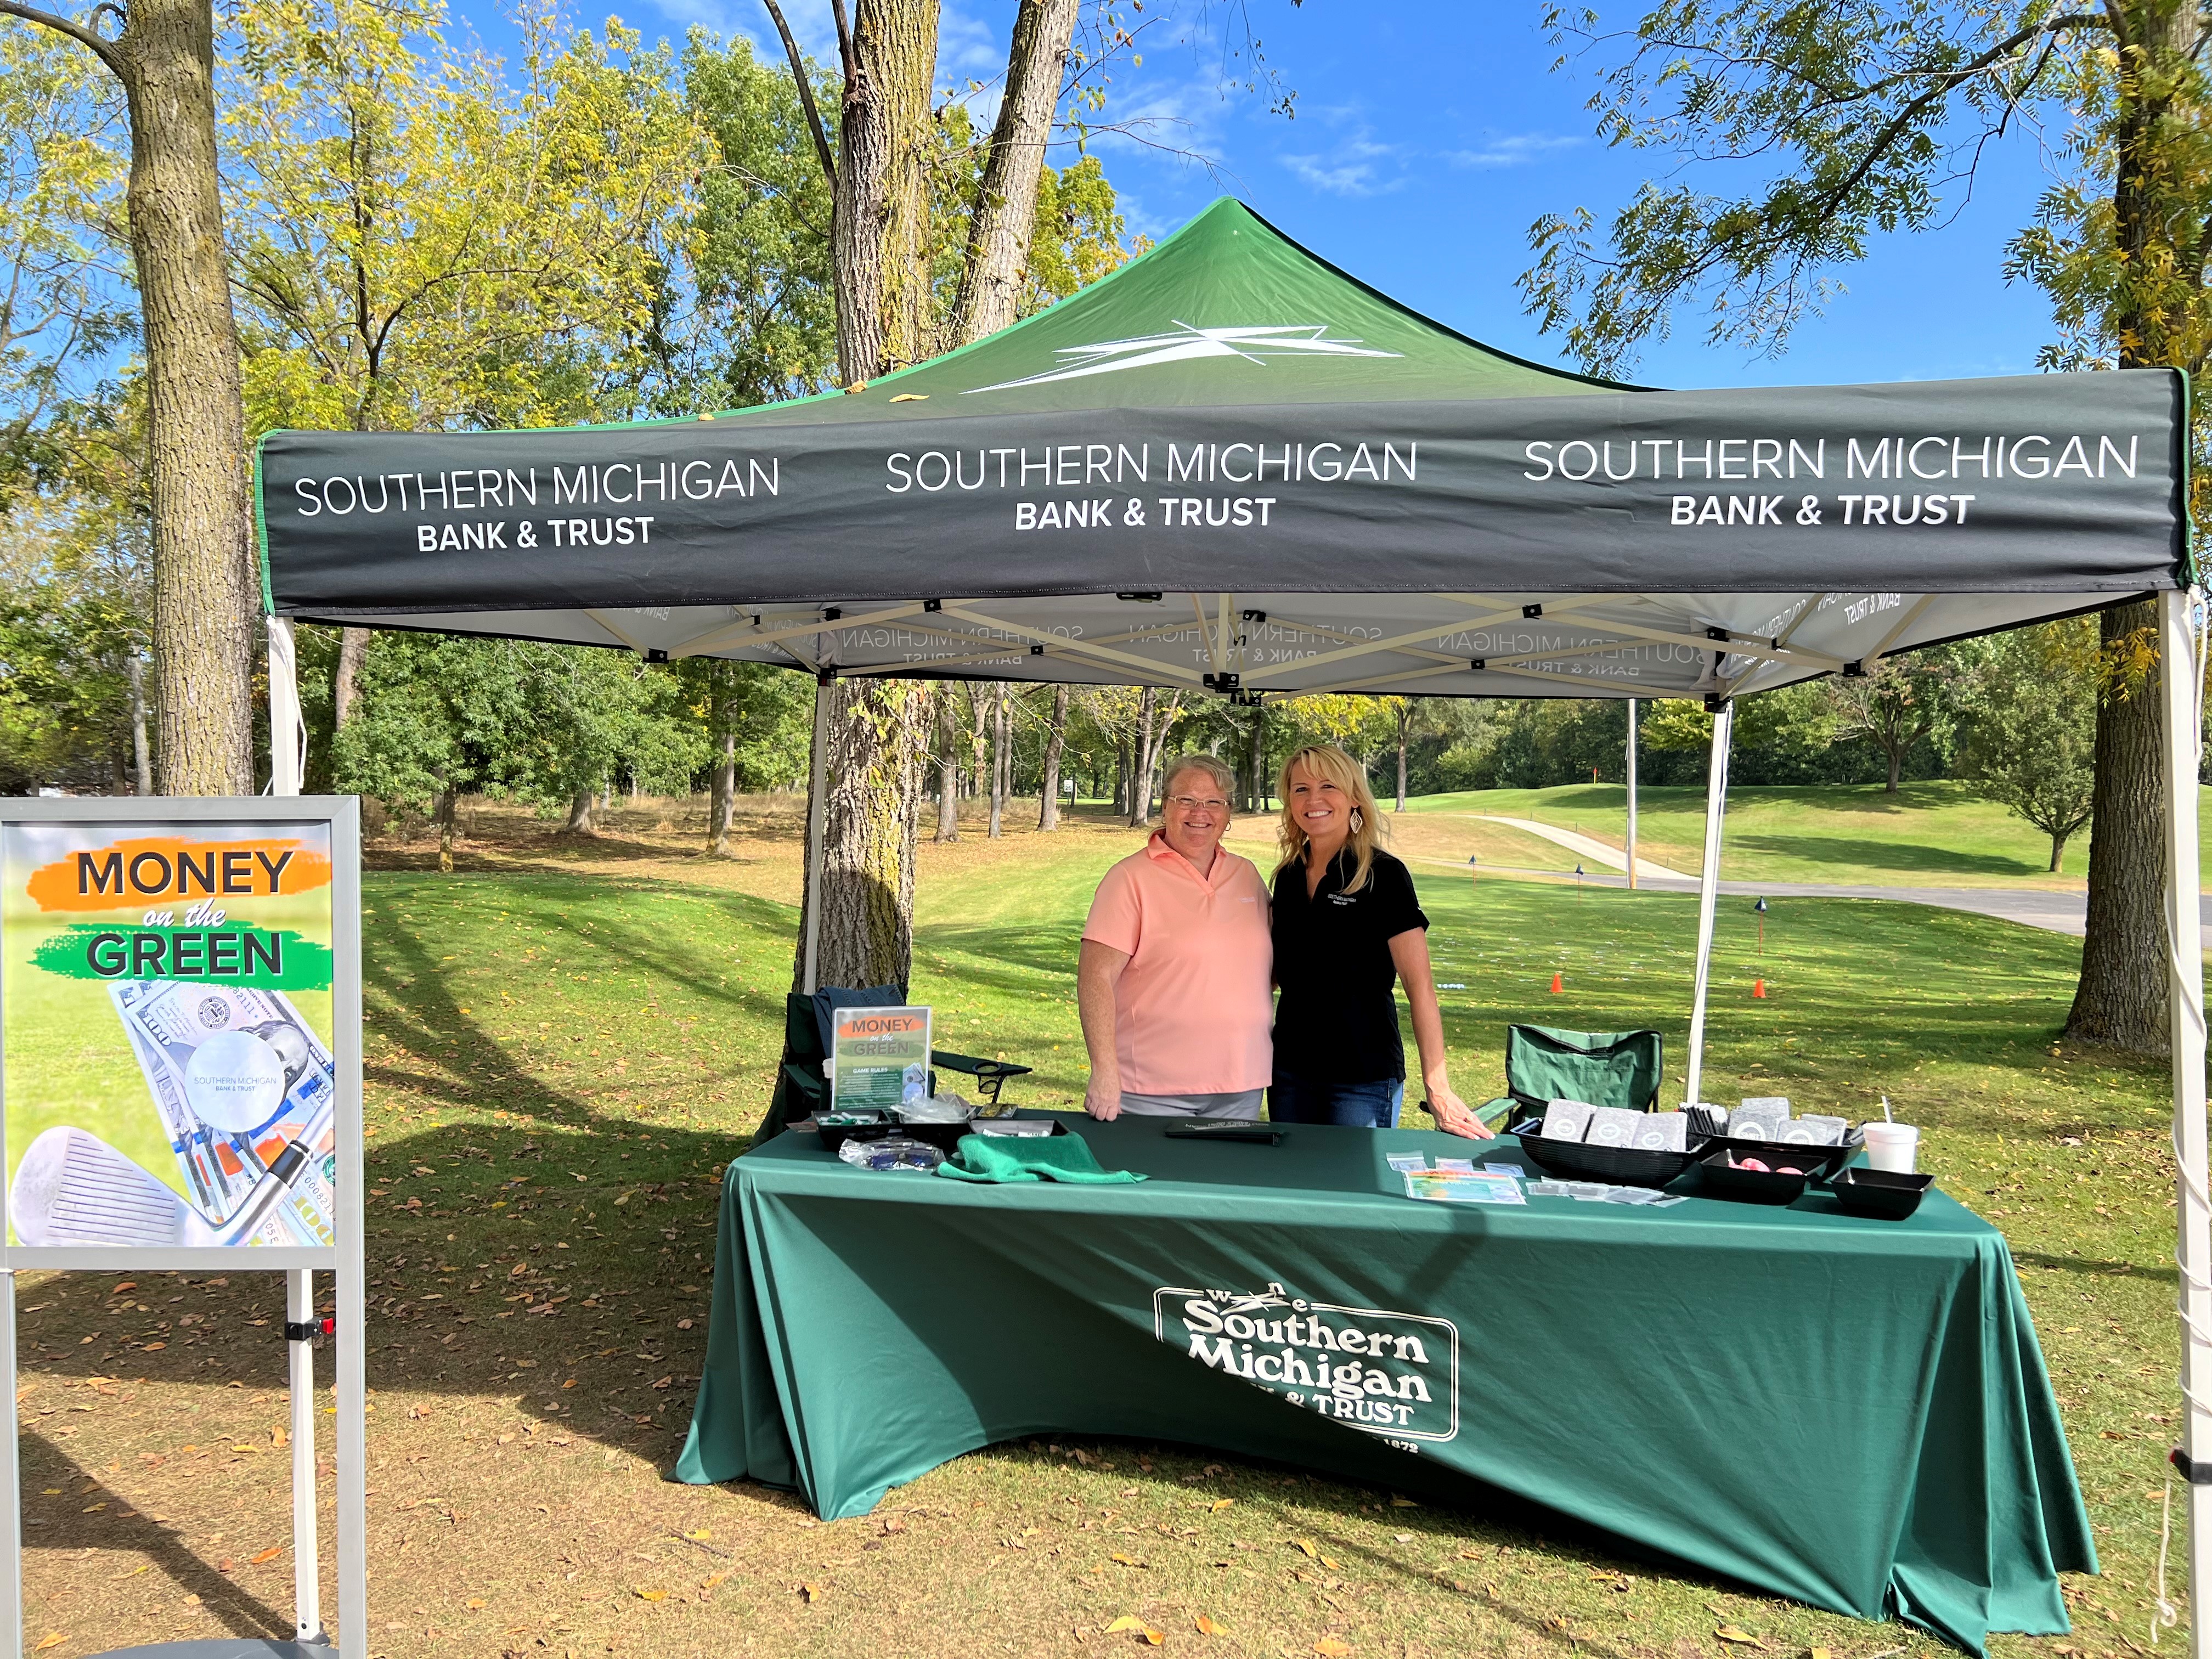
1428 137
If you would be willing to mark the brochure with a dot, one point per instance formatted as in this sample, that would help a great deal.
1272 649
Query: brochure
879 1058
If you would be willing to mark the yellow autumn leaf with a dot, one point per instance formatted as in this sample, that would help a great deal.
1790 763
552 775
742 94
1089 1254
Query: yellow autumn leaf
709 1583
1307 1545
1221 1503
50 1641
644 1595
1330 1565
702 1535
1126 1561
476 1601
1206 1627
1155 1636
268 1554
1820 1653
810 1593
1731 1633
1127 1621
1332 1648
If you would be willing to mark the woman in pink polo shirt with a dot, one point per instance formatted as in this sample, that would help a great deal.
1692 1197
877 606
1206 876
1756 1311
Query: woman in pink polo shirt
1175 979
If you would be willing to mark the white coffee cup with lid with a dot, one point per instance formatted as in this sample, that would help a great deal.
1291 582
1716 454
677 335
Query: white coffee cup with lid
1891 1146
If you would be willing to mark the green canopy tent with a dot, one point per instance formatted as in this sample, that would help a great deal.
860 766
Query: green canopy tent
1231 466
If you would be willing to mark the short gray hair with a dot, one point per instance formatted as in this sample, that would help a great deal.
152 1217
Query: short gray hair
1223 779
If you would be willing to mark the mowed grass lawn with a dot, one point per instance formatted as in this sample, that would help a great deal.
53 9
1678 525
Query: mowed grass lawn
567 1043
1927 834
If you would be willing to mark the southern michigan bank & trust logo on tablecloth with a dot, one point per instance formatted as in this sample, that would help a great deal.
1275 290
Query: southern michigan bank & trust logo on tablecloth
1395 1374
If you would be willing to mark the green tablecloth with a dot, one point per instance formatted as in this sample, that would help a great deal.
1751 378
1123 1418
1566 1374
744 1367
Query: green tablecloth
1854 1414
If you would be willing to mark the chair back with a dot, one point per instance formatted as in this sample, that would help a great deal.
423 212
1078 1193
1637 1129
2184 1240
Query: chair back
1605 1068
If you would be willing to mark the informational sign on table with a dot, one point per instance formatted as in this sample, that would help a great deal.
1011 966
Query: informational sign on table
879 1057
167 1041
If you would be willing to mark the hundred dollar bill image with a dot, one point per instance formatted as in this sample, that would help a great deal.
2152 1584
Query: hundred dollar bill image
164 1010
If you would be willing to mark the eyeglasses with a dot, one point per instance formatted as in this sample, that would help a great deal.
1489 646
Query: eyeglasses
1195 804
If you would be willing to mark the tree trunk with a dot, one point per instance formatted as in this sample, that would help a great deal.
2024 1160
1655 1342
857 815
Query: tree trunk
1260 779
142 760
1140 774
1405 722
1001 760
353 646
975 721
722 800
2120 1000
205 572
880 228
1048 791
948 767
2058 852
449 812
580 815
999 232
871 806
1896 762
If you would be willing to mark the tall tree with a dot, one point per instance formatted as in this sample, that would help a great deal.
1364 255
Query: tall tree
205 576
1904 703
1055 743
1881 108
2032 737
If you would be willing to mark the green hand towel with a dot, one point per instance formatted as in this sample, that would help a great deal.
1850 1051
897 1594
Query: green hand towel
1027 1158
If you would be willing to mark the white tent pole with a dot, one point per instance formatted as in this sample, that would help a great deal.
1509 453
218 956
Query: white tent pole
1632 795
288 730
2178 681
816 814
307 1549
1709 887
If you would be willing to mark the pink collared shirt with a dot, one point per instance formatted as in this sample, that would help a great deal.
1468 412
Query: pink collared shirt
1192 1008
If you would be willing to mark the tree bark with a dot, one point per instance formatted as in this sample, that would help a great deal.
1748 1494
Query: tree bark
2058 852
1896 761
2120 999
580 815
948 767
1001 761
206 575
722 800
1259 780
870 808
1140 774
1048 791
353 646
880 229
975 722
449 813
142 760
999 232
1405 724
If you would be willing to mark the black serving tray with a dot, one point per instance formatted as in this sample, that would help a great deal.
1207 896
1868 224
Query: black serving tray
1747 1186
1620 1166
1883 1194
1821 1161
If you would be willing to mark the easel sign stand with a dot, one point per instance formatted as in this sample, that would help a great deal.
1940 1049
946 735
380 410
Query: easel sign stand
203 959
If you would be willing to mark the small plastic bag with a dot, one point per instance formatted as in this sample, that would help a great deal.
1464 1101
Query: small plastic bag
891 1152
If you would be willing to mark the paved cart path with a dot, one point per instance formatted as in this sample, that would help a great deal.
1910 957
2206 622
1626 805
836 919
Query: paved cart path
1582 846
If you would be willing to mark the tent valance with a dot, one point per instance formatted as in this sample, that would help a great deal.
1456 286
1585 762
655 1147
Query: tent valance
1231 464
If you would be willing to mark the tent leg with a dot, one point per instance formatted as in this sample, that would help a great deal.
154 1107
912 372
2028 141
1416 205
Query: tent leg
815 816
1632 795
2185 1010
307 1551
287 730
1709 887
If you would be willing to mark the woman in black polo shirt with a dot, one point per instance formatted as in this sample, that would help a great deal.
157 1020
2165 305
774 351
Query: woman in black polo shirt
1347 927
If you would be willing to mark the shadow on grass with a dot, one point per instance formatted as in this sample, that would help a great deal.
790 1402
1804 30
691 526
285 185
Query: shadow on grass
1858 854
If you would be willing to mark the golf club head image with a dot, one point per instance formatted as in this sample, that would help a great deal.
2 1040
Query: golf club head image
73 1187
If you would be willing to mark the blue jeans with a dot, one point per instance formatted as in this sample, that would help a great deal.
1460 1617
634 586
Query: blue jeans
1349 1105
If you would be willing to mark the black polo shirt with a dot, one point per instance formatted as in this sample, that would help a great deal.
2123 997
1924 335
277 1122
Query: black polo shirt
1336 1021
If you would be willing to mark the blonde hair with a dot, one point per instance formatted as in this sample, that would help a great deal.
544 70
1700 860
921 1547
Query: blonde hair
1331 764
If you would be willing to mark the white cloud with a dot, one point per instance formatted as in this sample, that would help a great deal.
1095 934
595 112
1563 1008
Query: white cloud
1516 149
1354 168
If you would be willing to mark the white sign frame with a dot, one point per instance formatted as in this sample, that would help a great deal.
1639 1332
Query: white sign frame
341 816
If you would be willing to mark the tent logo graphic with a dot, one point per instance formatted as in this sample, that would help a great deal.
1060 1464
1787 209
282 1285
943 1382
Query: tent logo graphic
1254 344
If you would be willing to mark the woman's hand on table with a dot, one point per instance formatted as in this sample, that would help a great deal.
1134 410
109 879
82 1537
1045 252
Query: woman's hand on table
1454 1117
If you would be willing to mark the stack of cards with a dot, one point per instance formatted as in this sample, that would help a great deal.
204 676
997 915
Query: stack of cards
1612 1126
1462 1186
1662 1132
1565 1119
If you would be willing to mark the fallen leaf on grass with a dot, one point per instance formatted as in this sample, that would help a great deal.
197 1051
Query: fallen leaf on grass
1397 1502
1304 1545
1206 1627
1732 1633
50 1641
1820 1653
1221 1503
1126 1561
1330 1565
650 1595
1130 1622
700 1535
810 1593
278 1437
476 1601
709 1581
1331 1647
268 1554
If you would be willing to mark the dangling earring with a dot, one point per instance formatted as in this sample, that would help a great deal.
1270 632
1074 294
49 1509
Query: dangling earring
1357 821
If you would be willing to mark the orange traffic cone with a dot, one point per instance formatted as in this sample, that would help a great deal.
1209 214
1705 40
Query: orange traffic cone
1556 986
1758 988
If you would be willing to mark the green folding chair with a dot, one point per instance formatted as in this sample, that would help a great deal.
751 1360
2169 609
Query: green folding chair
1605 1068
